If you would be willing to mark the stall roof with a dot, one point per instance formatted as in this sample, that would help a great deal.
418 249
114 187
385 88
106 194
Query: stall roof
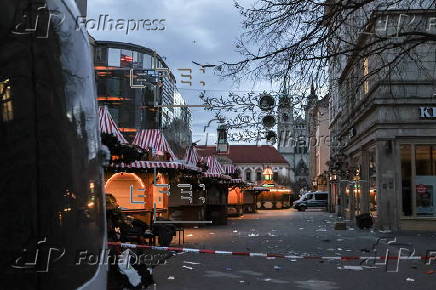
108 125
153 138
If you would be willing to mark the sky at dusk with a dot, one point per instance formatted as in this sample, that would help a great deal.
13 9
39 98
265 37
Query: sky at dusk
204 31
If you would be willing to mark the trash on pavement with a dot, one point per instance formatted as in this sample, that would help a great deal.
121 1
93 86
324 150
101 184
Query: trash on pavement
192 263
355 268
410 280
186 267
171 278
277 267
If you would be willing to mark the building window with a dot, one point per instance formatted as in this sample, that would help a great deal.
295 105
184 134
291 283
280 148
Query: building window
418 190
114 57
7 112
275 176
247 175
259 176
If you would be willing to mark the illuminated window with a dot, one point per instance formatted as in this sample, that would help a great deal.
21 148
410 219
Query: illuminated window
365 76
6 101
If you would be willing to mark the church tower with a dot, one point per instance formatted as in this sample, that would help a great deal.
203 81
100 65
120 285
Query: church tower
285 130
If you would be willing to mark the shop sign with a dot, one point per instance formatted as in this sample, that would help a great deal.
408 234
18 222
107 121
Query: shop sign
427 112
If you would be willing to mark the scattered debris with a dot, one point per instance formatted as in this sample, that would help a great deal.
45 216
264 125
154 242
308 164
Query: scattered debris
277 268
355 268
267 279
271 235
410 280
370 267
192 263
186 267
171 278
339 249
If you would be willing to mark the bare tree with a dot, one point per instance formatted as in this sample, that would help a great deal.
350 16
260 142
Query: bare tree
296 40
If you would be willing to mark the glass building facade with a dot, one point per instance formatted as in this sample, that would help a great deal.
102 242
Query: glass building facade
140 92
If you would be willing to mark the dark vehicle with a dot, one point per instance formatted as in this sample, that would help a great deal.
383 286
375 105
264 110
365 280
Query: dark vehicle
52 206
312 200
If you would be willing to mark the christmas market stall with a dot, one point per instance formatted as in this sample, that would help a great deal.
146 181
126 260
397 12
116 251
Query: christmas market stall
217 183
236 194
187 201
276 197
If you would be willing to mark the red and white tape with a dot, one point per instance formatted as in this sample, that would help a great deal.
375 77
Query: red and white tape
293 257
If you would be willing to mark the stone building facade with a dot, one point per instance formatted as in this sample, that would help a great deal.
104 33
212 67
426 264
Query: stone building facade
383 133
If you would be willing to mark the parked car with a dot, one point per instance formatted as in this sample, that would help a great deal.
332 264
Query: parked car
312 200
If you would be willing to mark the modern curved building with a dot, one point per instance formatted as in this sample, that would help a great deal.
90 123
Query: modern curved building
140 91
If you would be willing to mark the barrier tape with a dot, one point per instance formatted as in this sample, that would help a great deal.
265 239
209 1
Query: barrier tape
249 254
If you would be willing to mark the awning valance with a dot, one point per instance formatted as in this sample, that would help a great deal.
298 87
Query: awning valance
152 164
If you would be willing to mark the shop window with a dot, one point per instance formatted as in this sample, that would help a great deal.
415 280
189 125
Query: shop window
425 180
406 178
418 200
7 113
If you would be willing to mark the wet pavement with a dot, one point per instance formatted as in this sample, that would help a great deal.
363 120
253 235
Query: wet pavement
289 232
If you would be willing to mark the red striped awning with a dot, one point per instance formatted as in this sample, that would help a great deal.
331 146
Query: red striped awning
191 156
108 125
215 168
153 138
